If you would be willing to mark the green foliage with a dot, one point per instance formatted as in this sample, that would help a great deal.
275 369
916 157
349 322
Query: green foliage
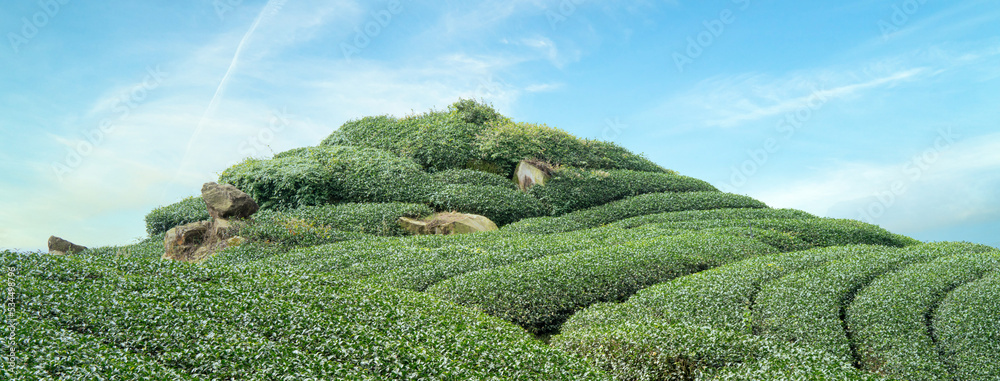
188 210
712 214
370 218
821 232
646 204
661 350
473 177
210 322
329 174
572 189
478 113
501 205
540 294
891 319
284 228
968 331
473 135
506 144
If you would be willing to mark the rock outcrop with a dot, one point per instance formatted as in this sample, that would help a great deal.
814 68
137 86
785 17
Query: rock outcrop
61 246
530 173
448 223
196 241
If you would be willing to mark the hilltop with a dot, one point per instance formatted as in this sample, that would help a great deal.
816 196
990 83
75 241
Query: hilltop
613 268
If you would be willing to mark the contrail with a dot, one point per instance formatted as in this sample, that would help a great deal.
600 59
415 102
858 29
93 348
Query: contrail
269 9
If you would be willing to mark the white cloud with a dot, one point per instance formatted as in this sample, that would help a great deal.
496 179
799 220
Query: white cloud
943 185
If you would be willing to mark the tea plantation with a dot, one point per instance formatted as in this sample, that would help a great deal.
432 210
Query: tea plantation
616 269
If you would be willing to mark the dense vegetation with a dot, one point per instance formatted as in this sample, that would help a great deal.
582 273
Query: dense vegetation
632 271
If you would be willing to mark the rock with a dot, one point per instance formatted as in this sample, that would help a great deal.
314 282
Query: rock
448 223
196 241
225 201
532 172
60 246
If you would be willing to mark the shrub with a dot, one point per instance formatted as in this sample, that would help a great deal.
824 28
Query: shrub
966 329
506 144
323 175
370 218
573 189
661 350
188 210
472 177
501 205
713 214
821 232
214 323
890 318
45 351
721 297
285 229
807 306
651 203
540 294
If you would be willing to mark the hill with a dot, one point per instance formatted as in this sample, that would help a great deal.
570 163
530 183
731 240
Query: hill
614 269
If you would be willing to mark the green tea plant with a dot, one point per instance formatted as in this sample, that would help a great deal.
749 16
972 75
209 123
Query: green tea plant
572 189
967 330
188 210
891 319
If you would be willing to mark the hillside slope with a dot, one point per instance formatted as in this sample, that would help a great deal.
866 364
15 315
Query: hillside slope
634 271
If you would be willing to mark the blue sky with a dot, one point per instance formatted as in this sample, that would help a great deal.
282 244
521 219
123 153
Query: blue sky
884 111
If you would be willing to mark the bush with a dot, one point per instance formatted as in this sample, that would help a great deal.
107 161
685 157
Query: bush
472 135
572 189
324 175
285 229
506 144
820 232
661 350
188 210
374 218
966 329
501 205
713 214
806 306
473 177
214 323
651 203
540 294
890 318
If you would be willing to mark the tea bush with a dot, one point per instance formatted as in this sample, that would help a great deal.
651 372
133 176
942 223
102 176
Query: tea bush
188 210
712 214
540 294
326 175
269 226
572 189
820 232
652 203
722 297
370 218
890 318
473 177
807 306
501 205
967 330
45 351
210 322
